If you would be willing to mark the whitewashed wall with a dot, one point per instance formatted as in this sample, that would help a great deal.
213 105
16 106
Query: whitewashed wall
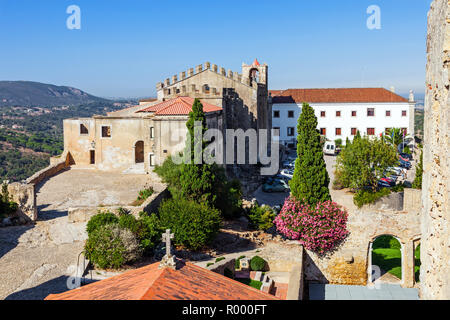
380 122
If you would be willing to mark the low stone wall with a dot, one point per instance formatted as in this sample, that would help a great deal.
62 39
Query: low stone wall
48 172
349 263
83 214
219 267
24 195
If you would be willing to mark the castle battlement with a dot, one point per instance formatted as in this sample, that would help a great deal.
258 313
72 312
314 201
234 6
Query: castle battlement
235 76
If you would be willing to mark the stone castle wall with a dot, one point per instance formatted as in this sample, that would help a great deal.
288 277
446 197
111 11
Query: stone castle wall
349 263
435 248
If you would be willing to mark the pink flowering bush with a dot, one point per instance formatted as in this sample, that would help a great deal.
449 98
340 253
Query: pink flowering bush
318 228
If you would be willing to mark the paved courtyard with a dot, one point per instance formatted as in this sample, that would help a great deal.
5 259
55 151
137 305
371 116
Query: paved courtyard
36 260
340 292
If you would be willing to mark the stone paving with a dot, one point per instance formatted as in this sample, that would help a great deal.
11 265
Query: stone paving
36 260
340 292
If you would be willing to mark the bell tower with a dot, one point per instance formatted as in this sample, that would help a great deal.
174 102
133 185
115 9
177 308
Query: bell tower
256 73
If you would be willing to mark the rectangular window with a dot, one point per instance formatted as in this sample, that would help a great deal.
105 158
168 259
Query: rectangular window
338 114
152 160
106 132
338 131
353 113
370 112
83 129
276 114
323 114
290 114
323 131
152 132
388 113
404 113
290 131
370 131
92 156
354 131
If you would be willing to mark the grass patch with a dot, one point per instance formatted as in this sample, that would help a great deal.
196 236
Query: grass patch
388 260
252 283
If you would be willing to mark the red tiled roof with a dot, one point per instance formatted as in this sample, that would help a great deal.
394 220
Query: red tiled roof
178 106
187 282
345 95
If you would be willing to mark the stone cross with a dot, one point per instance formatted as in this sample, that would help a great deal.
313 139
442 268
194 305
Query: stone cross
166 237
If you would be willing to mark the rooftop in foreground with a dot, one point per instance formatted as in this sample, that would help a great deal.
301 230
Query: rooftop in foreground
186 282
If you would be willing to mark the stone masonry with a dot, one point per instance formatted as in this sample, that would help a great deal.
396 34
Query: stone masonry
435 249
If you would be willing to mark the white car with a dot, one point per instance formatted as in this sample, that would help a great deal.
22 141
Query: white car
287 173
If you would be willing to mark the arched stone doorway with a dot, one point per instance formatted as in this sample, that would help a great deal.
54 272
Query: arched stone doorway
385 260
139 152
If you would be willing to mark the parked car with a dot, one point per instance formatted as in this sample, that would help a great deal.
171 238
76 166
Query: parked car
406 156
388 180
330 148
403 158
383 184
404 164
288 173
276 186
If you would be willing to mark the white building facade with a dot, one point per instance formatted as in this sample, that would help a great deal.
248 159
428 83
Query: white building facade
341 113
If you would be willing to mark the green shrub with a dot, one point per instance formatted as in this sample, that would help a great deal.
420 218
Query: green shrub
150 231
209 264
260 217
363 197
147 229
194 224
338 143
145 194
7 206
257 263
101 219
121 211
110 246
386 242
220 259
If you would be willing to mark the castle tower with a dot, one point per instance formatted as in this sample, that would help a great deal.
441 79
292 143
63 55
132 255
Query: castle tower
255 72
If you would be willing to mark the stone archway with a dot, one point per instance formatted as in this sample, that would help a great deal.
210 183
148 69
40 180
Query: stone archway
374 271
407 260
139 152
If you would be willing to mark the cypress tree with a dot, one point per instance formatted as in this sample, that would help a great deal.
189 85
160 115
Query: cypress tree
197 180
310 182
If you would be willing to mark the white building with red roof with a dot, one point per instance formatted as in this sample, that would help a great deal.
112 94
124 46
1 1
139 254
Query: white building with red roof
341 113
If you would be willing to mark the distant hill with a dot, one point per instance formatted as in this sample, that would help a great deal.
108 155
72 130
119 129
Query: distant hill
28 93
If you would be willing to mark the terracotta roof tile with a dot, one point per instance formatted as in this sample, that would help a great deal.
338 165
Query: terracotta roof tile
345 95
178 106
187 282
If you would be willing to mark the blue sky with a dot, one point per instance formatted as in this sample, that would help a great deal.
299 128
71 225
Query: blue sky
125 47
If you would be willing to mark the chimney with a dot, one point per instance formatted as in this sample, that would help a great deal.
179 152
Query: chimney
411 96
